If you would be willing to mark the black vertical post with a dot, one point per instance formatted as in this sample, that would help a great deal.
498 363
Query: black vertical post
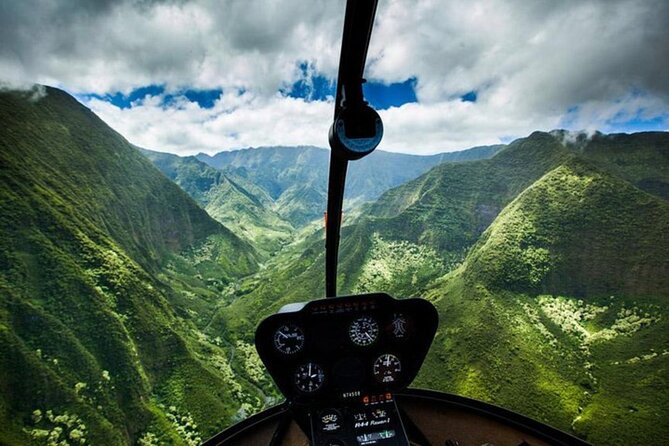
358 25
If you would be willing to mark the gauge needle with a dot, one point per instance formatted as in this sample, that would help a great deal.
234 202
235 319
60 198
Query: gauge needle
368 336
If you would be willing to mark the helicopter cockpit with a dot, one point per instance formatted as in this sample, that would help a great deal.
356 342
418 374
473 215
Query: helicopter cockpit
344 364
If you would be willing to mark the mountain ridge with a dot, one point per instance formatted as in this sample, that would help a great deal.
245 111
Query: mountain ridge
300 172
230 199
572 205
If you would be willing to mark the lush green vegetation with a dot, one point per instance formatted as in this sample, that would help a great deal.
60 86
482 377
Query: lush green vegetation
127 313
578 361
98 345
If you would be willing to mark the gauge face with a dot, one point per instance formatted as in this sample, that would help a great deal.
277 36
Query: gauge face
387 368
330 421
363 331
309 377
289 339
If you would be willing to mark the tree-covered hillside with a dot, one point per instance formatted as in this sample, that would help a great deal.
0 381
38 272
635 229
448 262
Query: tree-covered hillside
581 232
96 342
559 311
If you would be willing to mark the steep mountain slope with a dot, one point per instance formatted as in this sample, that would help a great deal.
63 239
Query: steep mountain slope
448 208
241 206
92 347
296 177
41 139
589 353
580 232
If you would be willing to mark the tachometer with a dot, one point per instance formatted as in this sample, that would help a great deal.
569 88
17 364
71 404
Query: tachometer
387 368
309 377
363 331
289 339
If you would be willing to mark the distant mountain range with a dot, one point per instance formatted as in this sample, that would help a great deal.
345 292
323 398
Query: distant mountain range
263 194
296 177
247 209
127 313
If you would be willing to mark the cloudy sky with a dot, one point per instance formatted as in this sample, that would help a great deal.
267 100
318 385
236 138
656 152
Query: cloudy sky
205 75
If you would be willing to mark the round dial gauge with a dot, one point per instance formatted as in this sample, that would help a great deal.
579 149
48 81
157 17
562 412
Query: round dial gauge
309 377
363 331
387 368
289 339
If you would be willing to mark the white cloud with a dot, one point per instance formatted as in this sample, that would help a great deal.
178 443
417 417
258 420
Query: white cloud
236 120
534 65
102 46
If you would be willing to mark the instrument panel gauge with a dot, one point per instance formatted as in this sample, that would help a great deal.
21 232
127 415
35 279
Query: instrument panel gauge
363 331
387 368
399 327
289 339
309 377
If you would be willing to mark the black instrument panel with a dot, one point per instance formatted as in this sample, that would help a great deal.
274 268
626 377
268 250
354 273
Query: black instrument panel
341 349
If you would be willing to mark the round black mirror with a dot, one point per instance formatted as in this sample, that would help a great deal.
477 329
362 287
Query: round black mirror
356 131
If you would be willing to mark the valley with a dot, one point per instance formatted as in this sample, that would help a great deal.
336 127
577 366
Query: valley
132 280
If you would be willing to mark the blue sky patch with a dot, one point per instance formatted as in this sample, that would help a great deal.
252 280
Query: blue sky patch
313 86
638 124
123 101
383 96
471 96
204 98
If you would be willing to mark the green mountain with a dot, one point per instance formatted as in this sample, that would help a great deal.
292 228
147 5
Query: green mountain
548 318
640 158
566 233
246 209
548 264
448 208
99 317
296 177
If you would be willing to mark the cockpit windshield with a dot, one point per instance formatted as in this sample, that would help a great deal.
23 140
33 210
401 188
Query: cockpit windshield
336 223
